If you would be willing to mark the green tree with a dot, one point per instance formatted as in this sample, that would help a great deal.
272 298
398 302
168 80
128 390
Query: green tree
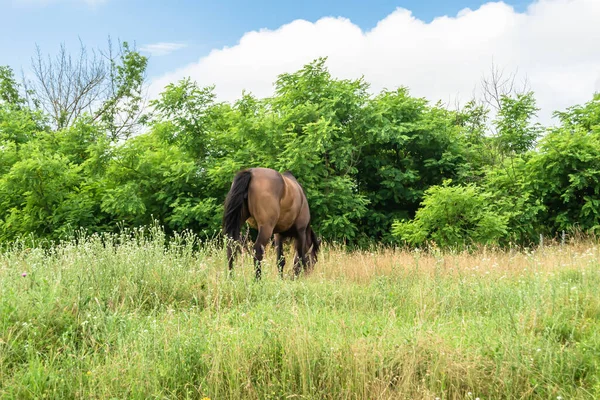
364 160
409 147
321 136
148 178
510 191
516 133
9 88
182 115
565 172
47 187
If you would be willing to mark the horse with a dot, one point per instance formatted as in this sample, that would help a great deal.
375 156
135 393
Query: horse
273 203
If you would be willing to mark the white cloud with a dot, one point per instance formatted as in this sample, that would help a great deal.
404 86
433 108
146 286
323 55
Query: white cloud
162 48
554 43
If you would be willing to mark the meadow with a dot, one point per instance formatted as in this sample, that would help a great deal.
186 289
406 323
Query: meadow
130 316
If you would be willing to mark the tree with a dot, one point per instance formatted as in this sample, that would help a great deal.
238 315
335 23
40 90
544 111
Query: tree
182 114
502 117
107 86
516 133
410 146
320 137
498 85
565 172
48 184
9 88
363 160
18 124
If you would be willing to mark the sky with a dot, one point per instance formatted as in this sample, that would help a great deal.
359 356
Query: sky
439 49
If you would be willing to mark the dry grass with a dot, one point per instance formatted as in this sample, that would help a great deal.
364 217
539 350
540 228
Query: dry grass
361 267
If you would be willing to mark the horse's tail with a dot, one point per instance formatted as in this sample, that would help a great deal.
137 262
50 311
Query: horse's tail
235 203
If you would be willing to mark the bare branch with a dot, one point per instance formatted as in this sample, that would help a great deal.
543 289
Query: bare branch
107 86
498 84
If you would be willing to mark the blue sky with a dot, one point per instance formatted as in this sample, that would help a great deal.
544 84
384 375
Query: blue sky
200 25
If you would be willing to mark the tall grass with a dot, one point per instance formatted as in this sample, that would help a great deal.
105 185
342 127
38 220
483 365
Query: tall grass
129 316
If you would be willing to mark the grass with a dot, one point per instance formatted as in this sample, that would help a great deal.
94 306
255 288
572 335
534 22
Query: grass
124 316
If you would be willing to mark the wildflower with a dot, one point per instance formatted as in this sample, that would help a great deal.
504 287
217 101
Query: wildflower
24 274
89 373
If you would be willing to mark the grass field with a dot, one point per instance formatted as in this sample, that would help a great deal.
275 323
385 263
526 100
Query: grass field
129 318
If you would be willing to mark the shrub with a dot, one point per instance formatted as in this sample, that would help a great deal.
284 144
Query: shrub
453 216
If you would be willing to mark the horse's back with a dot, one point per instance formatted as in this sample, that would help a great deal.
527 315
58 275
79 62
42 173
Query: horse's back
266 182
264 194
275 199
292 204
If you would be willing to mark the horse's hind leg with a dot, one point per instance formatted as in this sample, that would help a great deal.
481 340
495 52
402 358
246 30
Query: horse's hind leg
230 253
300 252
280 257
264 233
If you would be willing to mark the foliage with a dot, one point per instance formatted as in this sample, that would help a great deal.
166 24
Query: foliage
320 125
181 114
586 116
48 188
9 88
148 178
123 108
555 187
365 160
565 174
453 216
513 197
516 133
410 147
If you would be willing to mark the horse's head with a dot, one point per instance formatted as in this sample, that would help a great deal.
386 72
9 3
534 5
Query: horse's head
313 243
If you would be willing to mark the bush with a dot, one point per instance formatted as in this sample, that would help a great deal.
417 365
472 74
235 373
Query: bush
453 216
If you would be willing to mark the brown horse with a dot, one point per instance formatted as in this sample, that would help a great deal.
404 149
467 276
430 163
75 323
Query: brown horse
272 203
